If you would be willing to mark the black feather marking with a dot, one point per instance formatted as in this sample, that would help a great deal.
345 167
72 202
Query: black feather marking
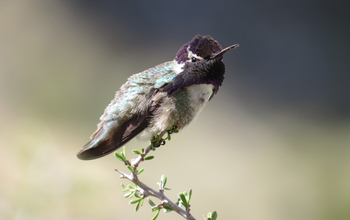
180 81
201 72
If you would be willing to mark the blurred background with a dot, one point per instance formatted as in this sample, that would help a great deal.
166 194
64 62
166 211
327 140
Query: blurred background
272 144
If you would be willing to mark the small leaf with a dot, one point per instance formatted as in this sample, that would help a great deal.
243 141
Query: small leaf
214 215
131 186
136 152
163 180
151 202
149 158
141 202
167 209
137 206
189 197
154 139
120 156
156 216
167 188
124 188
143 150
183 199
140 171
135 200
128 195
137 195
155 209
209 216
131 168
124 152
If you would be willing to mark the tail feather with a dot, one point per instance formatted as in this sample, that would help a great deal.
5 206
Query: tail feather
110 137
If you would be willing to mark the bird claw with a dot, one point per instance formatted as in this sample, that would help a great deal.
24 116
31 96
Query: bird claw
157 144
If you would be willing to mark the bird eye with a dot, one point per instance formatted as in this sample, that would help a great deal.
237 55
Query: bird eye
193 59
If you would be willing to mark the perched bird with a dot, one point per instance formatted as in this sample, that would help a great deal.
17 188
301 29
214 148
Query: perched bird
170 94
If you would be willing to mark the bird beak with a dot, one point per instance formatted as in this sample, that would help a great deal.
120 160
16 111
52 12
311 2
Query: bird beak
222 52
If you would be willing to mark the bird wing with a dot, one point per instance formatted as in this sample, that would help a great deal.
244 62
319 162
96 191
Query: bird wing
111 135
129 113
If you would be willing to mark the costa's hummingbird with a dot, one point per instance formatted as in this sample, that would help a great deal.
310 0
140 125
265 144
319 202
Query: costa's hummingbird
170 94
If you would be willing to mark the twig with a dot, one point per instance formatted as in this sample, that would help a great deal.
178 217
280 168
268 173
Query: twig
147 191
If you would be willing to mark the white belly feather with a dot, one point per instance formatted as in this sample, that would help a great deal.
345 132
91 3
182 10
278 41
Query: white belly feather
197 97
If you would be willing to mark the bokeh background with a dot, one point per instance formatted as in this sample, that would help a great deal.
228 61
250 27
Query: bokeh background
273 144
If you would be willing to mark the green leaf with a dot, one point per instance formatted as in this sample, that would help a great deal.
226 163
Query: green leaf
183 199
135 200
167 209
156 216
151 202
131 186
154 139
171 128
129 194
124 188
124 152
120 156
136 152
189 197
140 171
167 188
214 215
211 216
155 209
137 206
131 168
141 202
149 158
137 195
163 180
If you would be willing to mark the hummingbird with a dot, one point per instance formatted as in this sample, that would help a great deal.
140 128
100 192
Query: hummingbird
170 94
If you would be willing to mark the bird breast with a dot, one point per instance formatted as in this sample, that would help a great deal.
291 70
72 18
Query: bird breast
179 109
199 96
